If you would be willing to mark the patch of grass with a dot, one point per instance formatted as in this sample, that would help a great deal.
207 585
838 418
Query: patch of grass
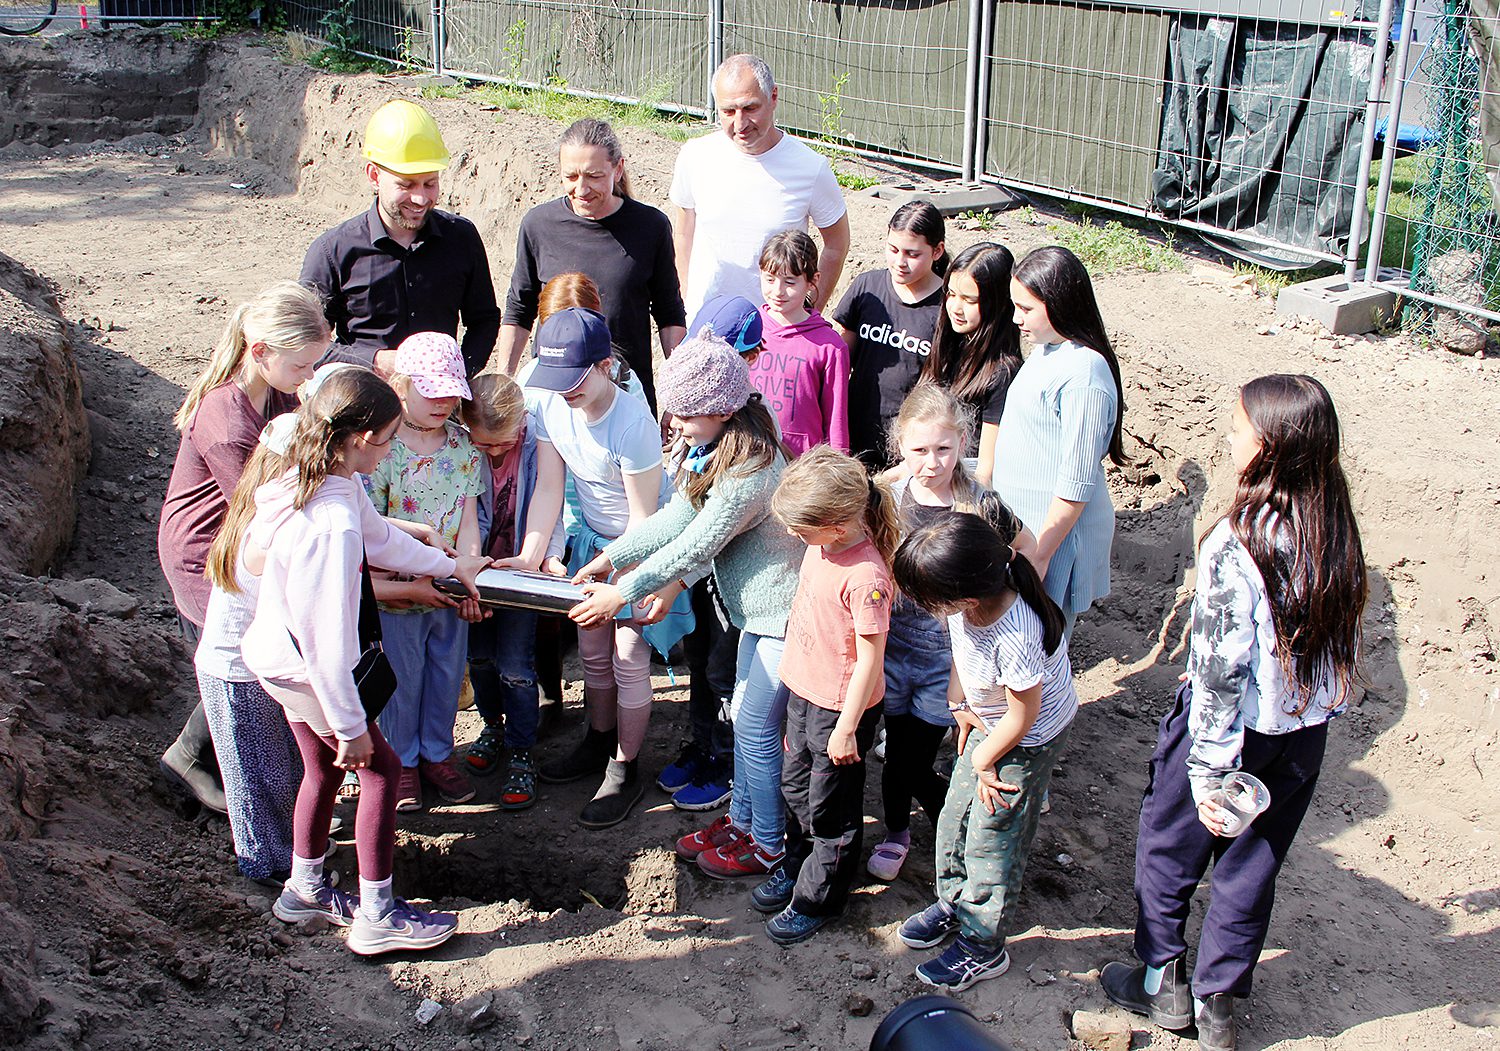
565 108
1115 246
1403 209
335 60
851 181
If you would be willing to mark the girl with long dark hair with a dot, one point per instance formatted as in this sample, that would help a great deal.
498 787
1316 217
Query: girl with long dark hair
976 347
886 318
1275 641
1062 417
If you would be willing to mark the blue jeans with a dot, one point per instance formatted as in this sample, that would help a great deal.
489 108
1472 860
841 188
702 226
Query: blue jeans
917 661
502 670
758 710
427 651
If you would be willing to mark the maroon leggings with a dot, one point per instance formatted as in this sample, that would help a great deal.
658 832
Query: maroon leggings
375 819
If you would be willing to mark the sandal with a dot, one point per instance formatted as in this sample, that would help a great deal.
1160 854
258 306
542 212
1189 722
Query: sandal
483 757
350 788
519 790
886 860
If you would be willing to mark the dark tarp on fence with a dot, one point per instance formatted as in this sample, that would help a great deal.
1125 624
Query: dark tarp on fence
1261 128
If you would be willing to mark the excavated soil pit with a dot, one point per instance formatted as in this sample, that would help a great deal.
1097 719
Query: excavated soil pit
139 933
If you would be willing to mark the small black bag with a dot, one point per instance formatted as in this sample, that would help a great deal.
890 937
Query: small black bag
373 675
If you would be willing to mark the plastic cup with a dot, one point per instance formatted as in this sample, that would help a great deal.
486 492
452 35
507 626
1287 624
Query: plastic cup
1243 798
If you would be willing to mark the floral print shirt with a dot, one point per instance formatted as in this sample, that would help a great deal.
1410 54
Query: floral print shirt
428 487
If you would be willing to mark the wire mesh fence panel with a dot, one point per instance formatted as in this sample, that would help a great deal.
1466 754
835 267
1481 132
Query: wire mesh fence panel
1440 215
888 75
397 30
1075 98
654 51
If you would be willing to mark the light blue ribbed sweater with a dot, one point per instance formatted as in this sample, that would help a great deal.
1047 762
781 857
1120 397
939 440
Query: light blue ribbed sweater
1059 416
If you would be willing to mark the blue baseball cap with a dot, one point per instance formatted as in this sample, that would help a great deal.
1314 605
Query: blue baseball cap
568 344
733 319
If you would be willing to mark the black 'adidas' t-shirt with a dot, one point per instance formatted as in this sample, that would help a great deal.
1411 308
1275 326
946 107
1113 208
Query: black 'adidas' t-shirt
889 341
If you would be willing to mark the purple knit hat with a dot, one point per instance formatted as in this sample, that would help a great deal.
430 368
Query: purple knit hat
704 377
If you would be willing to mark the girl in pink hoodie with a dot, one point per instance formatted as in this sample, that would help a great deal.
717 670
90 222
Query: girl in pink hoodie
803 366
314 527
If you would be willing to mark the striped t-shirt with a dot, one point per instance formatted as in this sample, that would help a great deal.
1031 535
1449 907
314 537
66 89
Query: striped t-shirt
1009 653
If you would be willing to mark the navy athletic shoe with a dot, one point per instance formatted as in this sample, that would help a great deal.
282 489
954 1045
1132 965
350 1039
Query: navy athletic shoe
788 927
775 893
679 773
708 790
963 964
929 927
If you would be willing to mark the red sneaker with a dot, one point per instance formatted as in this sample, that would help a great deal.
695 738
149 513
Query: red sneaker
721 833
450 783
409 791
742 858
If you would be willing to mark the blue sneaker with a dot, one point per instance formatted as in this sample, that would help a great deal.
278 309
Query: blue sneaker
788 927
963 964
679 773
709 789
333 905
929 927
774 894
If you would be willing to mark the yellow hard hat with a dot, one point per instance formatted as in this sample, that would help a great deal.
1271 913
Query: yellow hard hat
402 138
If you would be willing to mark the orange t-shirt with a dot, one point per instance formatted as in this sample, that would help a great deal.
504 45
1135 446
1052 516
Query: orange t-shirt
838 597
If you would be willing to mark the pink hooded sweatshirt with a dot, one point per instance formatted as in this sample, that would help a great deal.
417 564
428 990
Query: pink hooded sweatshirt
803 371
309 589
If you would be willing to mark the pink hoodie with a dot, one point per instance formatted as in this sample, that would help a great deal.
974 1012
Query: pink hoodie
803 371
310 588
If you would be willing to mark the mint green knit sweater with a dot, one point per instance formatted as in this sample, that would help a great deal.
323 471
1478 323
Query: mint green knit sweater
754 560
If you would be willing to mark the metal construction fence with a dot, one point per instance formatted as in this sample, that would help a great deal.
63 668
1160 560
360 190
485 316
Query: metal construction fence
1268 126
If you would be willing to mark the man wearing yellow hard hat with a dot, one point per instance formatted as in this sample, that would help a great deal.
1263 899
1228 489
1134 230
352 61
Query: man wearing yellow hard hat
403 266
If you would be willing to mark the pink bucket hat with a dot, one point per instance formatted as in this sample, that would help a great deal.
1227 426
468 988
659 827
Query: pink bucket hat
435 366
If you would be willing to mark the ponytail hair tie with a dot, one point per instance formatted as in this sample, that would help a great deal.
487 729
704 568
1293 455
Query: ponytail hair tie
870 481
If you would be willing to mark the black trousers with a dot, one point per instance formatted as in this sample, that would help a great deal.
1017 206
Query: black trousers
1174 848
825 806
711 649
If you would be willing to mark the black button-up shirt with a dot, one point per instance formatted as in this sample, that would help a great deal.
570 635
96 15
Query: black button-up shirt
377 292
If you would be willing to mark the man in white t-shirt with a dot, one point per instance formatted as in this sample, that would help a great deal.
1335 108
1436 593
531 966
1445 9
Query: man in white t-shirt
739 185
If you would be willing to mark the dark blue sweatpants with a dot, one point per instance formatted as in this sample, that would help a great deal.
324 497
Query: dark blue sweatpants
1173 850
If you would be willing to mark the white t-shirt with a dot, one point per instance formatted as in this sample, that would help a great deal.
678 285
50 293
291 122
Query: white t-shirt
624 441
1008 653
739 201
224 625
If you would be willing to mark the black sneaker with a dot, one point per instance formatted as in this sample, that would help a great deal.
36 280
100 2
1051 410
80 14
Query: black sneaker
1170 1007
775 893
587 759
620 792
1216 1023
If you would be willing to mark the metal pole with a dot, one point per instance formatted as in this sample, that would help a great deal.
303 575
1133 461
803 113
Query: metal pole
971 93
715 51
439 32
1367 143
1392 130
986 61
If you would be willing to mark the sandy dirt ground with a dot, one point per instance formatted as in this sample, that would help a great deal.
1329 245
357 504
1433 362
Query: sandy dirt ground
1387 926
